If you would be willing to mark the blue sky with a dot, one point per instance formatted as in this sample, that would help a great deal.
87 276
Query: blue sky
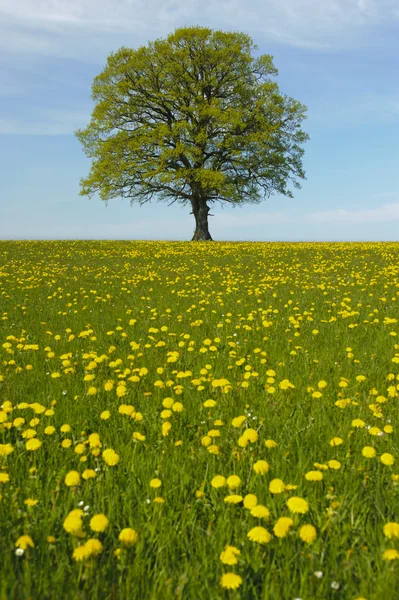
338 57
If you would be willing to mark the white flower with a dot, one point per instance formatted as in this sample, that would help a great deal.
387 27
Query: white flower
335 585
19 552
81 503
86 508
318 574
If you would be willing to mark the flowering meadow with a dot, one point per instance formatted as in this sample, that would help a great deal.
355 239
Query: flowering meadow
199 420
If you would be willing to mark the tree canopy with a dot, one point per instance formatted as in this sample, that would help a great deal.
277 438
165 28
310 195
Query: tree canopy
193 119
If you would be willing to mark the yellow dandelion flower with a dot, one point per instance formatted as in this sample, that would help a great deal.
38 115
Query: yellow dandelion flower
229 555
111 458
238 421
334 464
230 581
99 523
390 554
24 541
369 452
314 476
155 483
270 444
391 530
261 467
93 547
260 512
336 441
105 415
387 459
276 486
33 444
128 536
72 479
297 505
307 533
358 423
89 474
250 501
233 499
218 481
233 482
81 553
282 526
259 535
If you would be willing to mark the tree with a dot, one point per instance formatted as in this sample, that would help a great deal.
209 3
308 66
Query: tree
195 119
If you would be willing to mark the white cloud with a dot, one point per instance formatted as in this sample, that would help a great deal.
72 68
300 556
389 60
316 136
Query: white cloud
381 214
86 28
46 122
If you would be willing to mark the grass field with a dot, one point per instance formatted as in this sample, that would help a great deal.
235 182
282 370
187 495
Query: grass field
199 421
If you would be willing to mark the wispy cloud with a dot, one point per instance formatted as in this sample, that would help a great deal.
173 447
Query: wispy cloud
81 27
385 213
46 122
381 214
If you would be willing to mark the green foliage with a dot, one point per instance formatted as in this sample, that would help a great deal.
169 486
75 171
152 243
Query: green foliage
194 113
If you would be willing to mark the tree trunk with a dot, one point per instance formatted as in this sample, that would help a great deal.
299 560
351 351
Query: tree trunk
200 212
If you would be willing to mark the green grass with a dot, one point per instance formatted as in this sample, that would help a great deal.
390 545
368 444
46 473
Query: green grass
309 311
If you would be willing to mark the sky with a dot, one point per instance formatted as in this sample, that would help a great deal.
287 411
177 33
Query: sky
338 57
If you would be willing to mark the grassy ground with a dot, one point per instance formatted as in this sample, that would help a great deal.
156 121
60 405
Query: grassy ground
157 348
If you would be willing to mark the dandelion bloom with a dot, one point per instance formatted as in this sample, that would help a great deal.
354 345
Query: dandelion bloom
369 452
229 555
73 522
282 526
233 499
111 458
251 435
4 478
33 444
89 474
218 481
260 512
391 530
250 501
387 459
99 523
238 421
105 415
93 547
209 403
24 541
259 535
81 553
358 423
270 444
276 486
297 505
72 478
314 476
336 441
166 427
261 467
334 464
230 581
155 483
128 536
390 554
307 533
374 431
233 482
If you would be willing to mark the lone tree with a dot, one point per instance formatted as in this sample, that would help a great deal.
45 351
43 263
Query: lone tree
193 118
